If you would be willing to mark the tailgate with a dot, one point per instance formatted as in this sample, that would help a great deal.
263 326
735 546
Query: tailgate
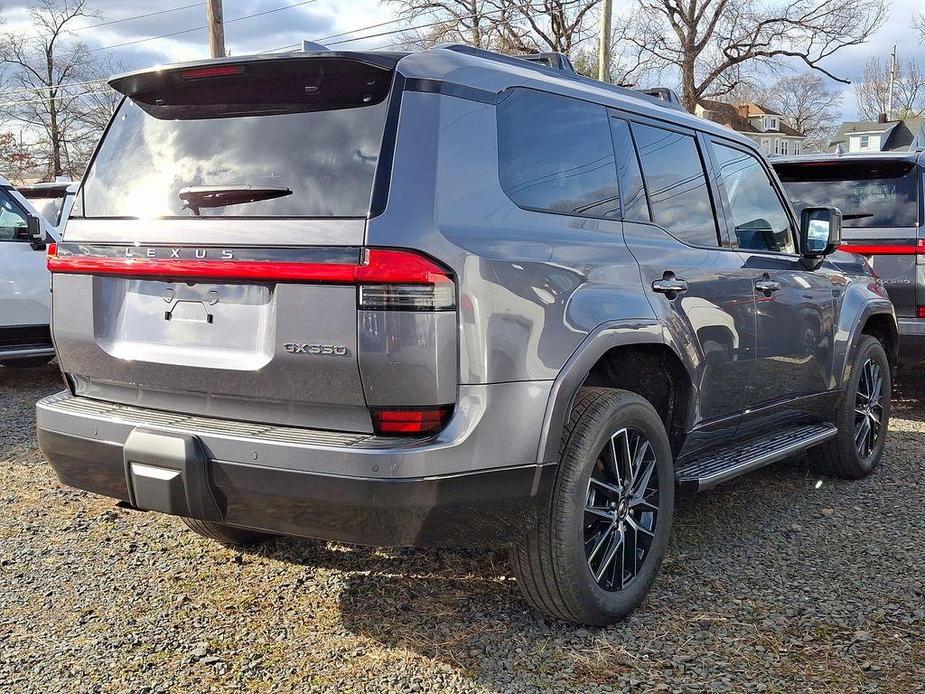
261 349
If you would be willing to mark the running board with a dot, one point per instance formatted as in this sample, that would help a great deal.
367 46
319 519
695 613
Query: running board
709 469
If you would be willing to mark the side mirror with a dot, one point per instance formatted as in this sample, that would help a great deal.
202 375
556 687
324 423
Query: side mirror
820 231
36 235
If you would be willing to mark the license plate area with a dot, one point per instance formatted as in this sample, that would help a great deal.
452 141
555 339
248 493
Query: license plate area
226 326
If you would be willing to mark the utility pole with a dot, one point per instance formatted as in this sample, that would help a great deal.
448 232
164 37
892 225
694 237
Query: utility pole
216 28
603 56
889 95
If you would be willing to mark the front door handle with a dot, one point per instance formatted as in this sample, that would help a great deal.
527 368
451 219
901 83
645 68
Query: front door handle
669 285
767 286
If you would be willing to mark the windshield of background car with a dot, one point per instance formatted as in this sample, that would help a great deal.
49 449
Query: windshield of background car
869 193
48 207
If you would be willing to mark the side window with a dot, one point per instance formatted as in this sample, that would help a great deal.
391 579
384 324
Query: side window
12 219
761 222
635 206
678 192
555 155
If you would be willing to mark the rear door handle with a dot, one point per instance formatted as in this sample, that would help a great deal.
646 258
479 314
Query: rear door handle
767 286
669 285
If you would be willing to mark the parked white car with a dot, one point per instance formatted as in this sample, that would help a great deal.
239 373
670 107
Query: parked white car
53 201
25 287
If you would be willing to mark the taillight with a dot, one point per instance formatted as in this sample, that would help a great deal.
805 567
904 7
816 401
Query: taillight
403 281
52 252
410 420
920 311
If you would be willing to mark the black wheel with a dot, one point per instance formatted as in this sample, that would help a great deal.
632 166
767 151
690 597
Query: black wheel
863 416
26 362
600 541
227 534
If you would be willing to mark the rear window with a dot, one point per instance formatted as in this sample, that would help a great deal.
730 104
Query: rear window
869 193
307 141
48 207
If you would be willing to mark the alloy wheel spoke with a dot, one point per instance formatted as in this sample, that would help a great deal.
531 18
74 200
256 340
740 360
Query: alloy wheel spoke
642 482
604 536
600 513
638 527
616 541
606 487
616 460
643 505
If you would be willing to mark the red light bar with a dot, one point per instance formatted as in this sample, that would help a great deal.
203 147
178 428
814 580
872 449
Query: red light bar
425 420
197 73
381 266
885 249
920 311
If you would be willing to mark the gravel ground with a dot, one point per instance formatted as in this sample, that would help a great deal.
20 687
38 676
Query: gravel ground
773 583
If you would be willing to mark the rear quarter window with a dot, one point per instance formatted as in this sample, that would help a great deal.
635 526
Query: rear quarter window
555 155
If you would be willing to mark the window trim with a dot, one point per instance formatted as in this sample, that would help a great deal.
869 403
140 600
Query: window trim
502 97
697 136
613 115
775 186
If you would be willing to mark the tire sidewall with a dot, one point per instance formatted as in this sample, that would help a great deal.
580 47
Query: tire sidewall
868 348
582 448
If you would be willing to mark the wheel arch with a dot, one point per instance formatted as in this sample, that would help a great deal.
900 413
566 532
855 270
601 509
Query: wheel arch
661 373
875 318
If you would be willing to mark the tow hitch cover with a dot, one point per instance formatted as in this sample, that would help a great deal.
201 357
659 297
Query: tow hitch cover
169 473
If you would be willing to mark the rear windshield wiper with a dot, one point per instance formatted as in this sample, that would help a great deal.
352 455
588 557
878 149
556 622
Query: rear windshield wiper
197 197
857 215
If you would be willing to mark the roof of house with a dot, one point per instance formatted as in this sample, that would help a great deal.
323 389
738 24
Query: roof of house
759 110
730 116
900 134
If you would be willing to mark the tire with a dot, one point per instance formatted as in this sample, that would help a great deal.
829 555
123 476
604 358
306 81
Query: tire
840 456
227 534
26 362
553 563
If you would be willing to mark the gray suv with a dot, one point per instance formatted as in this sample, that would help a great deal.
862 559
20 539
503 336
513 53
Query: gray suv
448 298
881 196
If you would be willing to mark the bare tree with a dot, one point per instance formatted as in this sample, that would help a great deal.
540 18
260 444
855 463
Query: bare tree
506 25
872 92
43 65
809 105
918 21
473 22
714 44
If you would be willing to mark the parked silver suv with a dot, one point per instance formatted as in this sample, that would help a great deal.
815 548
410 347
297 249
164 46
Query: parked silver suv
448 298
881 196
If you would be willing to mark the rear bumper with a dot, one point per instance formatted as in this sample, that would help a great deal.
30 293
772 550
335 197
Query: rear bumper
85 442
911 340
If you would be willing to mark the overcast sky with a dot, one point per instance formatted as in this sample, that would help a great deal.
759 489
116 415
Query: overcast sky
321 18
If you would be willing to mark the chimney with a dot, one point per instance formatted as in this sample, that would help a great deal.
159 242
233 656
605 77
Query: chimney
742 110
881 118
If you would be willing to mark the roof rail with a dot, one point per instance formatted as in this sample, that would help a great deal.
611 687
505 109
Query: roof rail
559 63
664 94
552 59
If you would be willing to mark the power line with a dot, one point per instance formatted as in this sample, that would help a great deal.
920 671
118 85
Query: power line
138 16
54 98
398 31
59 85
201 28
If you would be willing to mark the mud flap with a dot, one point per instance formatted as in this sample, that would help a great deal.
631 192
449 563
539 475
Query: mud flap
169 473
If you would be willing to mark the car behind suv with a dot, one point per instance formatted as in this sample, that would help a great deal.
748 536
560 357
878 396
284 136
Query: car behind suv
881 196
448 298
